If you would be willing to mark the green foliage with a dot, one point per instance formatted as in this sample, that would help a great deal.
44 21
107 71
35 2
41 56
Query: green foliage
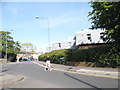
89 55
12 47
111 58
107 15
55 56
103 55
28 47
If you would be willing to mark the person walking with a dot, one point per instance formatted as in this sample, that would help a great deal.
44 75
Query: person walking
48 64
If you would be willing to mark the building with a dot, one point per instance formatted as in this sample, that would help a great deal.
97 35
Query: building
48 49
89 36
68 44
29 55
36 55
83 39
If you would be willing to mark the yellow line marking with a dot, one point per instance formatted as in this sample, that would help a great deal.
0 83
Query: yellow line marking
80 73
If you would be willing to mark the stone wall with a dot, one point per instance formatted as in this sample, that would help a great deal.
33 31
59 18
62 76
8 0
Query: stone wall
3 60
87 64
88 46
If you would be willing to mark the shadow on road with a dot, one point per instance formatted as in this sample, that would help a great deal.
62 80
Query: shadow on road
12 66
82 81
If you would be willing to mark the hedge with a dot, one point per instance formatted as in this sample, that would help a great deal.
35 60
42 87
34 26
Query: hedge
102 55
56 55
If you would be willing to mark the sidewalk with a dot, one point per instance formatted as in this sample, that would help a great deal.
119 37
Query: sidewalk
8 79
94 71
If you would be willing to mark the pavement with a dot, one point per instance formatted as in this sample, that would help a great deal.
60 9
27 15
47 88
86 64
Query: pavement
7 79
92 71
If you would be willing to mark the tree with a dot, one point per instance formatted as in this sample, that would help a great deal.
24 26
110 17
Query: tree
7 43
106 15
28 48
17 47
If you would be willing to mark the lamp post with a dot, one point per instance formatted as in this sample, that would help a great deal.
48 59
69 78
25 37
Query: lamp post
7 45
37 17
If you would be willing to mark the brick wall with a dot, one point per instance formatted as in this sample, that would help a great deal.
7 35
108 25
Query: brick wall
89 46
88 64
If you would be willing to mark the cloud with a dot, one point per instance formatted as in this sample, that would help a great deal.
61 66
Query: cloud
71 16
65 18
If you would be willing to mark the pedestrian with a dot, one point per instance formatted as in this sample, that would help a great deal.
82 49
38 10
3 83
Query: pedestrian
20 59
48 64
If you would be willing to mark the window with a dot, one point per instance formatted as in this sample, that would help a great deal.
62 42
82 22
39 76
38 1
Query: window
101 35
88 34
89 37
59 44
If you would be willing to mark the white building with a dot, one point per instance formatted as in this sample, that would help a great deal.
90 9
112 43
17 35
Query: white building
63 45
86 36
48 49
89 36
36 55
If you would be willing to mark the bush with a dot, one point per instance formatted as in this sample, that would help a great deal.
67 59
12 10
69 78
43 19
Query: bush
89 55
55 56
103 56
111 58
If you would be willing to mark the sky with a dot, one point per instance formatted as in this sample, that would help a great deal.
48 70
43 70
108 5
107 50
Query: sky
65 20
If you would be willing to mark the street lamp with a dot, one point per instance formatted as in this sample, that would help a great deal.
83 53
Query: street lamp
7 44
37 17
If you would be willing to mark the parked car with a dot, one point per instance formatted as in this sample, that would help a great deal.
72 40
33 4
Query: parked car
30 59
24 59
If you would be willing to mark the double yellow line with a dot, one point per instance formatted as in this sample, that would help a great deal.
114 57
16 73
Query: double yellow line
79 72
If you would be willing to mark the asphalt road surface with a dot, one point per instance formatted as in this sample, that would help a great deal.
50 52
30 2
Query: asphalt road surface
35 77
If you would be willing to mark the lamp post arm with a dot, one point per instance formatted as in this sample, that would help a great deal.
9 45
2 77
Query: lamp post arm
37 17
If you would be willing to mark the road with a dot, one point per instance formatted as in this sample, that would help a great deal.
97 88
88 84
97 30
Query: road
35 77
